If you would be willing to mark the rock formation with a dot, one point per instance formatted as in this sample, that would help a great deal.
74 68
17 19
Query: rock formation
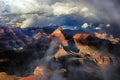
58 57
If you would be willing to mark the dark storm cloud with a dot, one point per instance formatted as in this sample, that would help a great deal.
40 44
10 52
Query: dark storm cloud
107 10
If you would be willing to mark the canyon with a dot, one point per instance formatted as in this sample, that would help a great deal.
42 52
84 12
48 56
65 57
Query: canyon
55 56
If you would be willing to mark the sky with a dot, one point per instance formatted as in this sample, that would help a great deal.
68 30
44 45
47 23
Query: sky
69 13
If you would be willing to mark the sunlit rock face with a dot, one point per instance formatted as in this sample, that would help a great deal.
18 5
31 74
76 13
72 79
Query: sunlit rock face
58 33
101 36
40 73
81 38
5 76
37 36
31 77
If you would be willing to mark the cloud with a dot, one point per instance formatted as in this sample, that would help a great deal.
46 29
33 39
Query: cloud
87 13
71 8
85 9
35 20
2 4
27 22
68 13
85 25
26 12
64 9
29 6
50 9
98 10
108 25
22 6
98 28
105 10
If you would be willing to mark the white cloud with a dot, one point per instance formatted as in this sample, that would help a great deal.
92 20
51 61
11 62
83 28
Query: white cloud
108 25
61 8
26 6
21 7
98 28
64 9
32 20
84 9
27 23
85 25
86 12
2 4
